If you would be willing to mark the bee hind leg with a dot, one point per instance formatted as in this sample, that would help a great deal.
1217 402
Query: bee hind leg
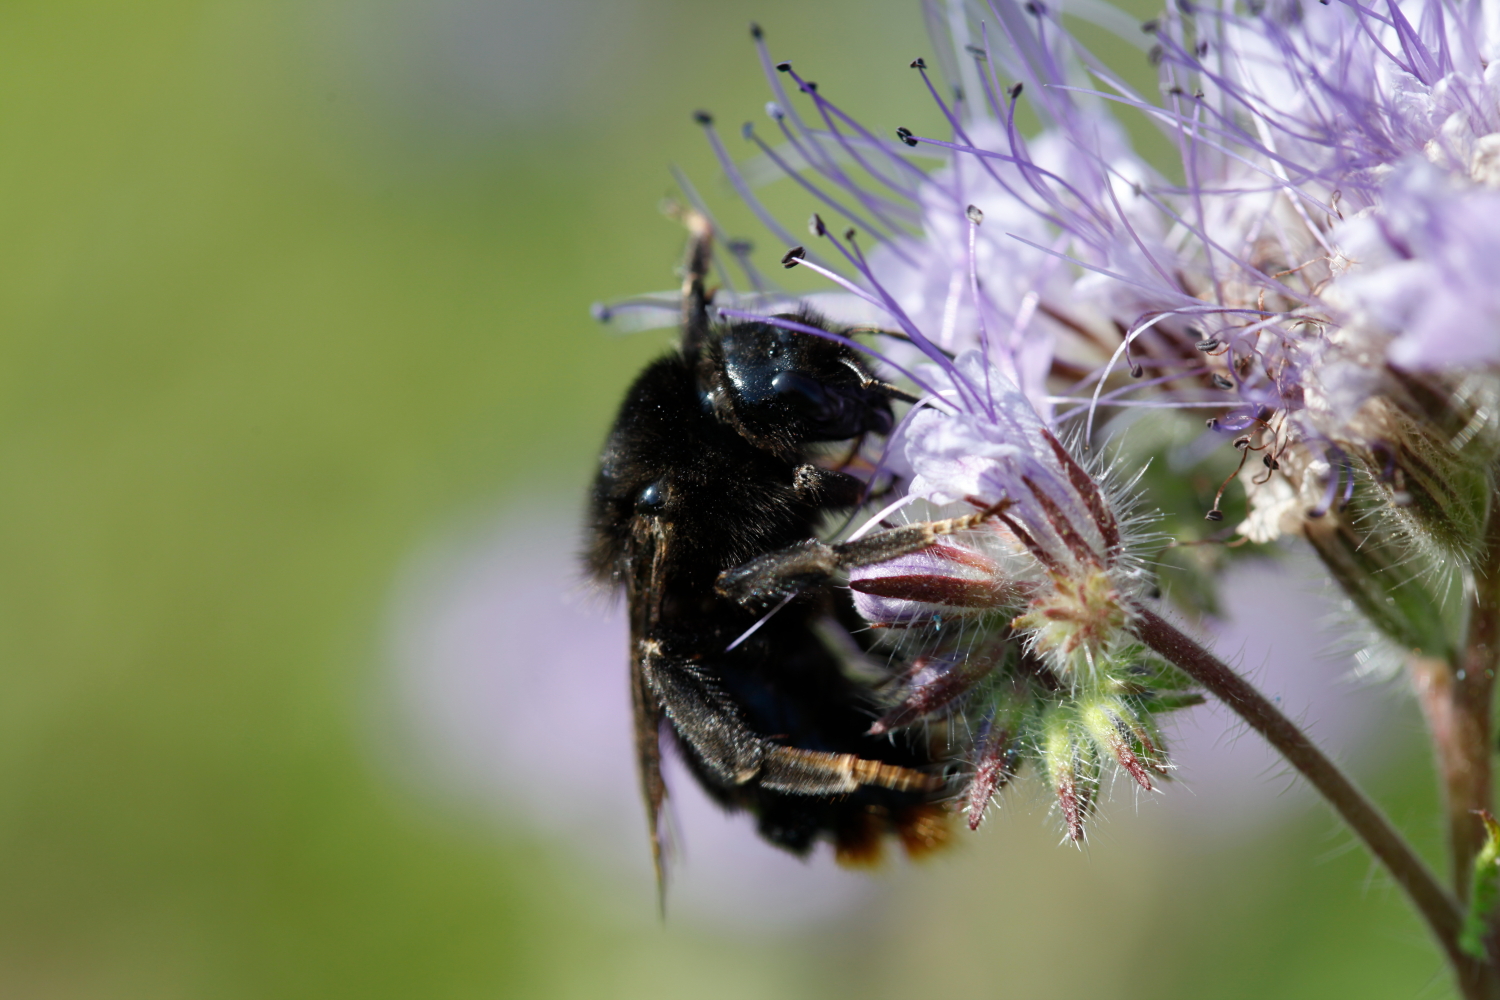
812 772
707 721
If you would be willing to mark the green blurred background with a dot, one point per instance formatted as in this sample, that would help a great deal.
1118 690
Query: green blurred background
284 289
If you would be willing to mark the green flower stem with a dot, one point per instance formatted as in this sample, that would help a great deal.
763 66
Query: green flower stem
1456 698
1438 907
1457 709
1475 697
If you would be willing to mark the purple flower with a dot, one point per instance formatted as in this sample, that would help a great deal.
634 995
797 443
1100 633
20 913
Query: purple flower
1017 631
1428 269
1331 217
1319 276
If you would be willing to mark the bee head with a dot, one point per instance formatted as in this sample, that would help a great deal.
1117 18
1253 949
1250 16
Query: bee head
785 388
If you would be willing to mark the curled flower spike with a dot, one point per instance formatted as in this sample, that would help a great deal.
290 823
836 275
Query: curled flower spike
1060 541
1018 630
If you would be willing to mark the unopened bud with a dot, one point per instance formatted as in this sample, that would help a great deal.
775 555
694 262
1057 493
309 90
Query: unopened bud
1073 769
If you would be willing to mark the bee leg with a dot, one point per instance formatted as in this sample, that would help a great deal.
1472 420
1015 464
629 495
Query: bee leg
813 563
813 772
706 720
879 546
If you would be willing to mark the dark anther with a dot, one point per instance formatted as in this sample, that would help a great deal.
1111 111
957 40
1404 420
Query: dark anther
1035 9
1212 423
1202 49
919 63
1136 371
747 131
1270 462
1176 92
1015 91
1186 7
815 225
1214 515
974 214
958 93
600 312
793 256
1156 55
740 248
904 134
975 50
809 86
1242 442
1150 27
849 234
755 31
784 67
703 118
1220 382
1198 95
1207 344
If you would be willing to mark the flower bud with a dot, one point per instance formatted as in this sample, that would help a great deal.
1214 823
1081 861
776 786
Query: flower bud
1409 599
926 586
1072 766
1432 447
1116 731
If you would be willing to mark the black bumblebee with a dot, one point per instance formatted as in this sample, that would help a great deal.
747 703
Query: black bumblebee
705 510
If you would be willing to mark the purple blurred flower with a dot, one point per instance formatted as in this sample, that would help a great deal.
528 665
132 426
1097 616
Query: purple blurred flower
1428 269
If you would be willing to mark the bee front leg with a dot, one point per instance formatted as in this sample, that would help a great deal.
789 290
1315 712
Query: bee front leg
813 563
707 721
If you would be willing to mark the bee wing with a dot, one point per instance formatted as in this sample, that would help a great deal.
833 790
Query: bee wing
644 585
648 718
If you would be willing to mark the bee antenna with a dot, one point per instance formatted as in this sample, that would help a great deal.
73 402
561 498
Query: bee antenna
695 297
895 335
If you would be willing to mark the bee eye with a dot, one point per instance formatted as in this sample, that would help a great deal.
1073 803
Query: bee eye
651 499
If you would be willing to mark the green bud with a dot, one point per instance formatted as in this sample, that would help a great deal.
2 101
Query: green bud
1117 731
1072 765
1432 448
1408 597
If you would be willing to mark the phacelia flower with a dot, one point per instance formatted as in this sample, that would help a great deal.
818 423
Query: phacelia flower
1017 631
1316 276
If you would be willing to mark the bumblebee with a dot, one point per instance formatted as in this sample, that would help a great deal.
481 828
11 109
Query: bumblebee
705 511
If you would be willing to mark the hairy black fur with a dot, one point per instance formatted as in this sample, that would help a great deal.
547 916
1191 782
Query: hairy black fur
711 464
